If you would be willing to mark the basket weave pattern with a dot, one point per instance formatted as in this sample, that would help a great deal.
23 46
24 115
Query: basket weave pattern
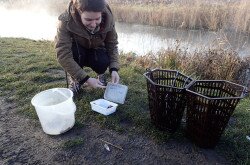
166 97
210 105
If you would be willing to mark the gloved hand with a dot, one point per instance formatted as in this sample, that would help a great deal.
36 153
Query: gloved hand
94 83
115 77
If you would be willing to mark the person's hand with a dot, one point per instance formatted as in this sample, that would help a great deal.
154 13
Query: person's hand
95 83
115 77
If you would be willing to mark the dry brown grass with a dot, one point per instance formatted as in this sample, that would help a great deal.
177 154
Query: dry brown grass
179 14
197 14
210 64
217 64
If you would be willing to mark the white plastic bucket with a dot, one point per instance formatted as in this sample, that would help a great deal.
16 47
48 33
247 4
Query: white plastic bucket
55 109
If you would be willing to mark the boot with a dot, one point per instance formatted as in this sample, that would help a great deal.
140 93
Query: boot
74 86
102 79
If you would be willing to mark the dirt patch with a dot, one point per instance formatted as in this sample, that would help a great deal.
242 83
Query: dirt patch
23 141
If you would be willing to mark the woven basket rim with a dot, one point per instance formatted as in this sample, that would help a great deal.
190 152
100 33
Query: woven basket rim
243 89
216 98
159 85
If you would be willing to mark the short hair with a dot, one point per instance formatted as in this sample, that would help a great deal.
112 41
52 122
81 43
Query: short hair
89 5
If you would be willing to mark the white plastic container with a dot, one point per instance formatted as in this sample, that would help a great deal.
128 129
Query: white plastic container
114 93
104 107
55 109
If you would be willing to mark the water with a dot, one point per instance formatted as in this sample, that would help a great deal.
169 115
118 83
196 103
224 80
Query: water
39 24
32 24
142 39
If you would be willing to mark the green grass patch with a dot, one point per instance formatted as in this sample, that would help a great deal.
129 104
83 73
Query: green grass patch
73 143
234 142
28 67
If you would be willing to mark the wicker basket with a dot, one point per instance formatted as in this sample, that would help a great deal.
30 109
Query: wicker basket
210 103
166 94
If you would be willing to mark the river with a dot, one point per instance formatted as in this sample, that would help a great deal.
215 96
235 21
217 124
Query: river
142 39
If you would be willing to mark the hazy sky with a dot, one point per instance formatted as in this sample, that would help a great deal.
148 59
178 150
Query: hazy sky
27 18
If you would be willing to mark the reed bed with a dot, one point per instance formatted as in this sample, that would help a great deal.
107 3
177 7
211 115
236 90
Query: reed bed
179 14
215 64
197 14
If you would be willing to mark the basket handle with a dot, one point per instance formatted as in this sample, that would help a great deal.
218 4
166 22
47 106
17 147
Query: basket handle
192 80
189 77
149 71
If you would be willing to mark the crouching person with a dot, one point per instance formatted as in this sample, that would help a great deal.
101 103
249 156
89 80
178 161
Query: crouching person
86 37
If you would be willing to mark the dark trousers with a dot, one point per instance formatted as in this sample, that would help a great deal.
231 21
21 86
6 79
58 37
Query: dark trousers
97 59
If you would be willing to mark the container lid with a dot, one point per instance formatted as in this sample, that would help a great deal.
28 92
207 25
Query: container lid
116 93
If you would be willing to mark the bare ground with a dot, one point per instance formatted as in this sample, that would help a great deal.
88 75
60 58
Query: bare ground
22 141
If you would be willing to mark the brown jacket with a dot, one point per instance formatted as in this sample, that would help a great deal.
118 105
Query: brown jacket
70 28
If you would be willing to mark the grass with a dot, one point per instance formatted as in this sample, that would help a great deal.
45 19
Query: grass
215 64
28 67
73 143
234 137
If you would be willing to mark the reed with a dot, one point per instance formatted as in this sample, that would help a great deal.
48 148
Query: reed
197 14
215 64
180 14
